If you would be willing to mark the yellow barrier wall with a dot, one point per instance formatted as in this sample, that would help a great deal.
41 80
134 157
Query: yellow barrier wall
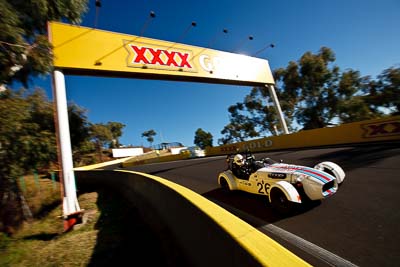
378 130
135 161
206 234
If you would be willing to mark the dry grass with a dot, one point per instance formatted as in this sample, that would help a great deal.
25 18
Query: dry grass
41 193
42 242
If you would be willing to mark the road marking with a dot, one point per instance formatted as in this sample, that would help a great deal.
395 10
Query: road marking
308 247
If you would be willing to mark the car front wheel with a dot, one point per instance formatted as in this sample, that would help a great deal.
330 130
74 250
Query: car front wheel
280 202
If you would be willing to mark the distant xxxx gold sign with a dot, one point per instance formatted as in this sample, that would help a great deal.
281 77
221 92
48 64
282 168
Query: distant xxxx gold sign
381 128
87 51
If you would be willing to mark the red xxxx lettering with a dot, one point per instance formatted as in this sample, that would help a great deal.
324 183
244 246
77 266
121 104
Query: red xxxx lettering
156 58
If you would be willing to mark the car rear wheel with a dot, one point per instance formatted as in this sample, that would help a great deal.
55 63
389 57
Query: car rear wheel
280 202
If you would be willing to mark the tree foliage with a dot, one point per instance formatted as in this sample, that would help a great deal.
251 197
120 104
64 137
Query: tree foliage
116 132
310 84
79 126
101 134
149 135
27 139
203 139
28 143
385 91
24 46
351 104
314 93
256 115
27 131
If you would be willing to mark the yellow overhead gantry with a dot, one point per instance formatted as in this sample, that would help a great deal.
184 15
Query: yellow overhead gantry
88 51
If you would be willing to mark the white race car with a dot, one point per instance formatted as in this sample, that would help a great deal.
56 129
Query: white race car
284 184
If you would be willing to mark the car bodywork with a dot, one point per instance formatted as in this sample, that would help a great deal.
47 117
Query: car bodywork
284 184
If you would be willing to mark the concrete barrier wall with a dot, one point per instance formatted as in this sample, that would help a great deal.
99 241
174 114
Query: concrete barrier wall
207 234
379 130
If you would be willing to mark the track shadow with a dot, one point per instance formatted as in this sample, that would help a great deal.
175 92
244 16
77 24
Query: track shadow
183 166
254 209
42 236
125 239
357 157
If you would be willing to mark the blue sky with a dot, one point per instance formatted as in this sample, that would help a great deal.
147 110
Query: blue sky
365 36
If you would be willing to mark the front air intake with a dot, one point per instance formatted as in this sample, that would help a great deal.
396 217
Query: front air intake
328 185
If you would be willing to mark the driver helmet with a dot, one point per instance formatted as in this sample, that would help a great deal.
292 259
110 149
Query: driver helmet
239 160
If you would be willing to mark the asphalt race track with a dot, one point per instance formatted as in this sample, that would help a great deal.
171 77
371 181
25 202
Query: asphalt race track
360 224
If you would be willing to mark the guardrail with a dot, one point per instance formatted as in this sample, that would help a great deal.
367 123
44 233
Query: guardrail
207 234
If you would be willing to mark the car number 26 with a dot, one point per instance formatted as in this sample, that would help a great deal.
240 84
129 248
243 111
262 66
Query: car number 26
263 187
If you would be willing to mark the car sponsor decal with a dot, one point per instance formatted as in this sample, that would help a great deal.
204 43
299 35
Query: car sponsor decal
285 167
244 183
277 175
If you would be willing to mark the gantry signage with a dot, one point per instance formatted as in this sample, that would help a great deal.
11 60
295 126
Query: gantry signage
80 50
141 55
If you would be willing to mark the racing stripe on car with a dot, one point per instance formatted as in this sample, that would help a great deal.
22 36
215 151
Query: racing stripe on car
322 179
328 192
325 176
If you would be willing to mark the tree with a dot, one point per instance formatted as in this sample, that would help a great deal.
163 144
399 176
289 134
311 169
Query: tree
101 135
79 126
311 83
361 98
116 132
28 116
314 93
254 117
24 46
25 51
149 136
26 133
26 144
385 92
203 139
352 104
